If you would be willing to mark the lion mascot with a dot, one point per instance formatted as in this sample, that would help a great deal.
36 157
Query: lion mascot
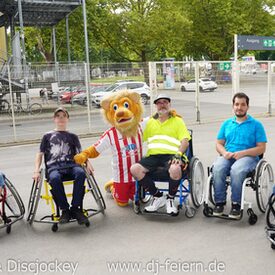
123 110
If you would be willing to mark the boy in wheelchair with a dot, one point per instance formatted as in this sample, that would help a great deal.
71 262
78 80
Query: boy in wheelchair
58 148
240 142
168 139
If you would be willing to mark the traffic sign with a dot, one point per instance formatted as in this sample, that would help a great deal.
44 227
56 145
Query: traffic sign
225 66
253 42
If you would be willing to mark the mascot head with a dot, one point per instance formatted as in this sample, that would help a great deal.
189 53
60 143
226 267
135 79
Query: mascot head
123 110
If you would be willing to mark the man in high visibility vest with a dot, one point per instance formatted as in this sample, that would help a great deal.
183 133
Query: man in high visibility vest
168 139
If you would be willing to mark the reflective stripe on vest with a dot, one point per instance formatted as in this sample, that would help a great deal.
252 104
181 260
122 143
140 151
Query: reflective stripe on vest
164 142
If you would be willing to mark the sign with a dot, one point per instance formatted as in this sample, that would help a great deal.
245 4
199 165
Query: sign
253 42
225 66
168 73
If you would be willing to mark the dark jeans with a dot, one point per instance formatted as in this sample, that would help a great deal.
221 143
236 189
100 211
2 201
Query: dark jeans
57 175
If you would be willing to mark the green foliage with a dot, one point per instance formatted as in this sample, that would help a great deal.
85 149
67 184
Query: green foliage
145 30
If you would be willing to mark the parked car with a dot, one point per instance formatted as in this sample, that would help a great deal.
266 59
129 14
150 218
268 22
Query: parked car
66 97
81 98
205 84
140 87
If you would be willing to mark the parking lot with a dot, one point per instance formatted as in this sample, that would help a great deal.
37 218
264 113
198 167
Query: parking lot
122 242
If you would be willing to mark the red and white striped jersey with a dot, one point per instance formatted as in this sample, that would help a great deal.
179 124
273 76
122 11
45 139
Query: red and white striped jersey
125 152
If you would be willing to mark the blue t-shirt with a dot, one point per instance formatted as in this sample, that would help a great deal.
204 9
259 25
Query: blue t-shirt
59 147
241 136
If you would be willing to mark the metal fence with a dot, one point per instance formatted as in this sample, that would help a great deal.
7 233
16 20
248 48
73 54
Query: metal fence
26 109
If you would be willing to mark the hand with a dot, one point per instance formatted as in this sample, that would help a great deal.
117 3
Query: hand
228 155
238 155
80 158
90 168
36 177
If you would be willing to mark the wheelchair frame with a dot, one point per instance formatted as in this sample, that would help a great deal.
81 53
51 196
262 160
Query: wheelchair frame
253 180
9 198
270 220
194 187
91 186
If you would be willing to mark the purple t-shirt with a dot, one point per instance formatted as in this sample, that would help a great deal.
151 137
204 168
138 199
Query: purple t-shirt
59 147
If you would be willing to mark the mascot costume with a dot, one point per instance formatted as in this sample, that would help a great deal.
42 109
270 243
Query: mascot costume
123 110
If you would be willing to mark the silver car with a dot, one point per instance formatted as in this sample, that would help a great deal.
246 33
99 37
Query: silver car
205 84
140 87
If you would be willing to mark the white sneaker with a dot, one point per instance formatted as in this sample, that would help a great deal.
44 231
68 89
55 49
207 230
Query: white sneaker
155 204
170 206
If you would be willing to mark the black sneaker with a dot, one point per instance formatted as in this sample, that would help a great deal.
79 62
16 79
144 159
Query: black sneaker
65 216
79 215
235 212
218 210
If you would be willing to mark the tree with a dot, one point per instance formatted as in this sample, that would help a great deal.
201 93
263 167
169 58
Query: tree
215 22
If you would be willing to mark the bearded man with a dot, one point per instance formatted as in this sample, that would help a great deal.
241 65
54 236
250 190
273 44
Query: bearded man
240 142
168 139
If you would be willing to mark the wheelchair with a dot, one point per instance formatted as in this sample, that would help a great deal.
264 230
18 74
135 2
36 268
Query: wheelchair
260 180
192 183
270 219
11 206
91 190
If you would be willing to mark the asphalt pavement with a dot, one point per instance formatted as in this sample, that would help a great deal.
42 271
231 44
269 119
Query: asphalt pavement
122 242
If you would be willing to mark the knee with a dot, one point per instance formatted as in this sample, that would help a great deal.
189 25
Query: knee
137 171
54 178
175 172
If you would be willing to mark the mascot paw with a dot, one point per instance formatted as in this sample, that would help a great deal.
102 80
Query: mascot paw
108 187
80 158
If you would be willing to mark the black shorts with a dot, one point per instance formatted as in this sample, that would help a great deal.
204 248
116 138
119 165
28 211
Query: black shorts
158 165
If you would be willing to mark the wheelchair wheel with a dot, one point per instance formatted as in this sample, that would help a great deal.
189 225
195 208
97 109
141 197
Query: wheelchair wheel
197 181
264 180
211 190
94 189
13 201
34 199
270 213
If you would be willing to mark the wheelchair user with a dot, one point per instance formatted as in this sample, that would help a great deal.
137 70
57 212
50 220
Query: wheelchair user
2 183
168 139
58 148
240 141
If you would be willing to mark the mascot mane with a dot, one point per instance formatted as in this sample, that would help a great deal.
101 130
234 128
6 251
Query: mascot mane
123 110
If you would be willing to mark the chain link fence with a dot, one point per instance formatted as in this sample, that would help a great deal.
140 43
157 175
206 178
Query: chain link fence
200 92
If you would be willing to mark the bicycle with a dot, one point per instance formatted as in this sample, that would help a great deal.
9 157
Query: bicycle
4 106
33 109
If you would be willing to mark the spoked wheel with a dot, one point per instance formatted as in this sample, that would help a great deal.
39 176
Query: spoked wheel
94 189
35 108
16 109
197 181
270 212
211 189
4 106
34 198
264 182
13 201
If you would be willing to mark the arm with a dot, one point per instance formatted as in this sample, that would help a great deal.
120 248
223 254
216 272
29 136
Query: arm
82 157
37 164
221 149
184 145
253 152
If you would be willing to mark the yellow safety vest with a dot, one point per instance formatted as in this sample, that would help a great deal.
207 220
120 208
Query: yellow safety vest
166 137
